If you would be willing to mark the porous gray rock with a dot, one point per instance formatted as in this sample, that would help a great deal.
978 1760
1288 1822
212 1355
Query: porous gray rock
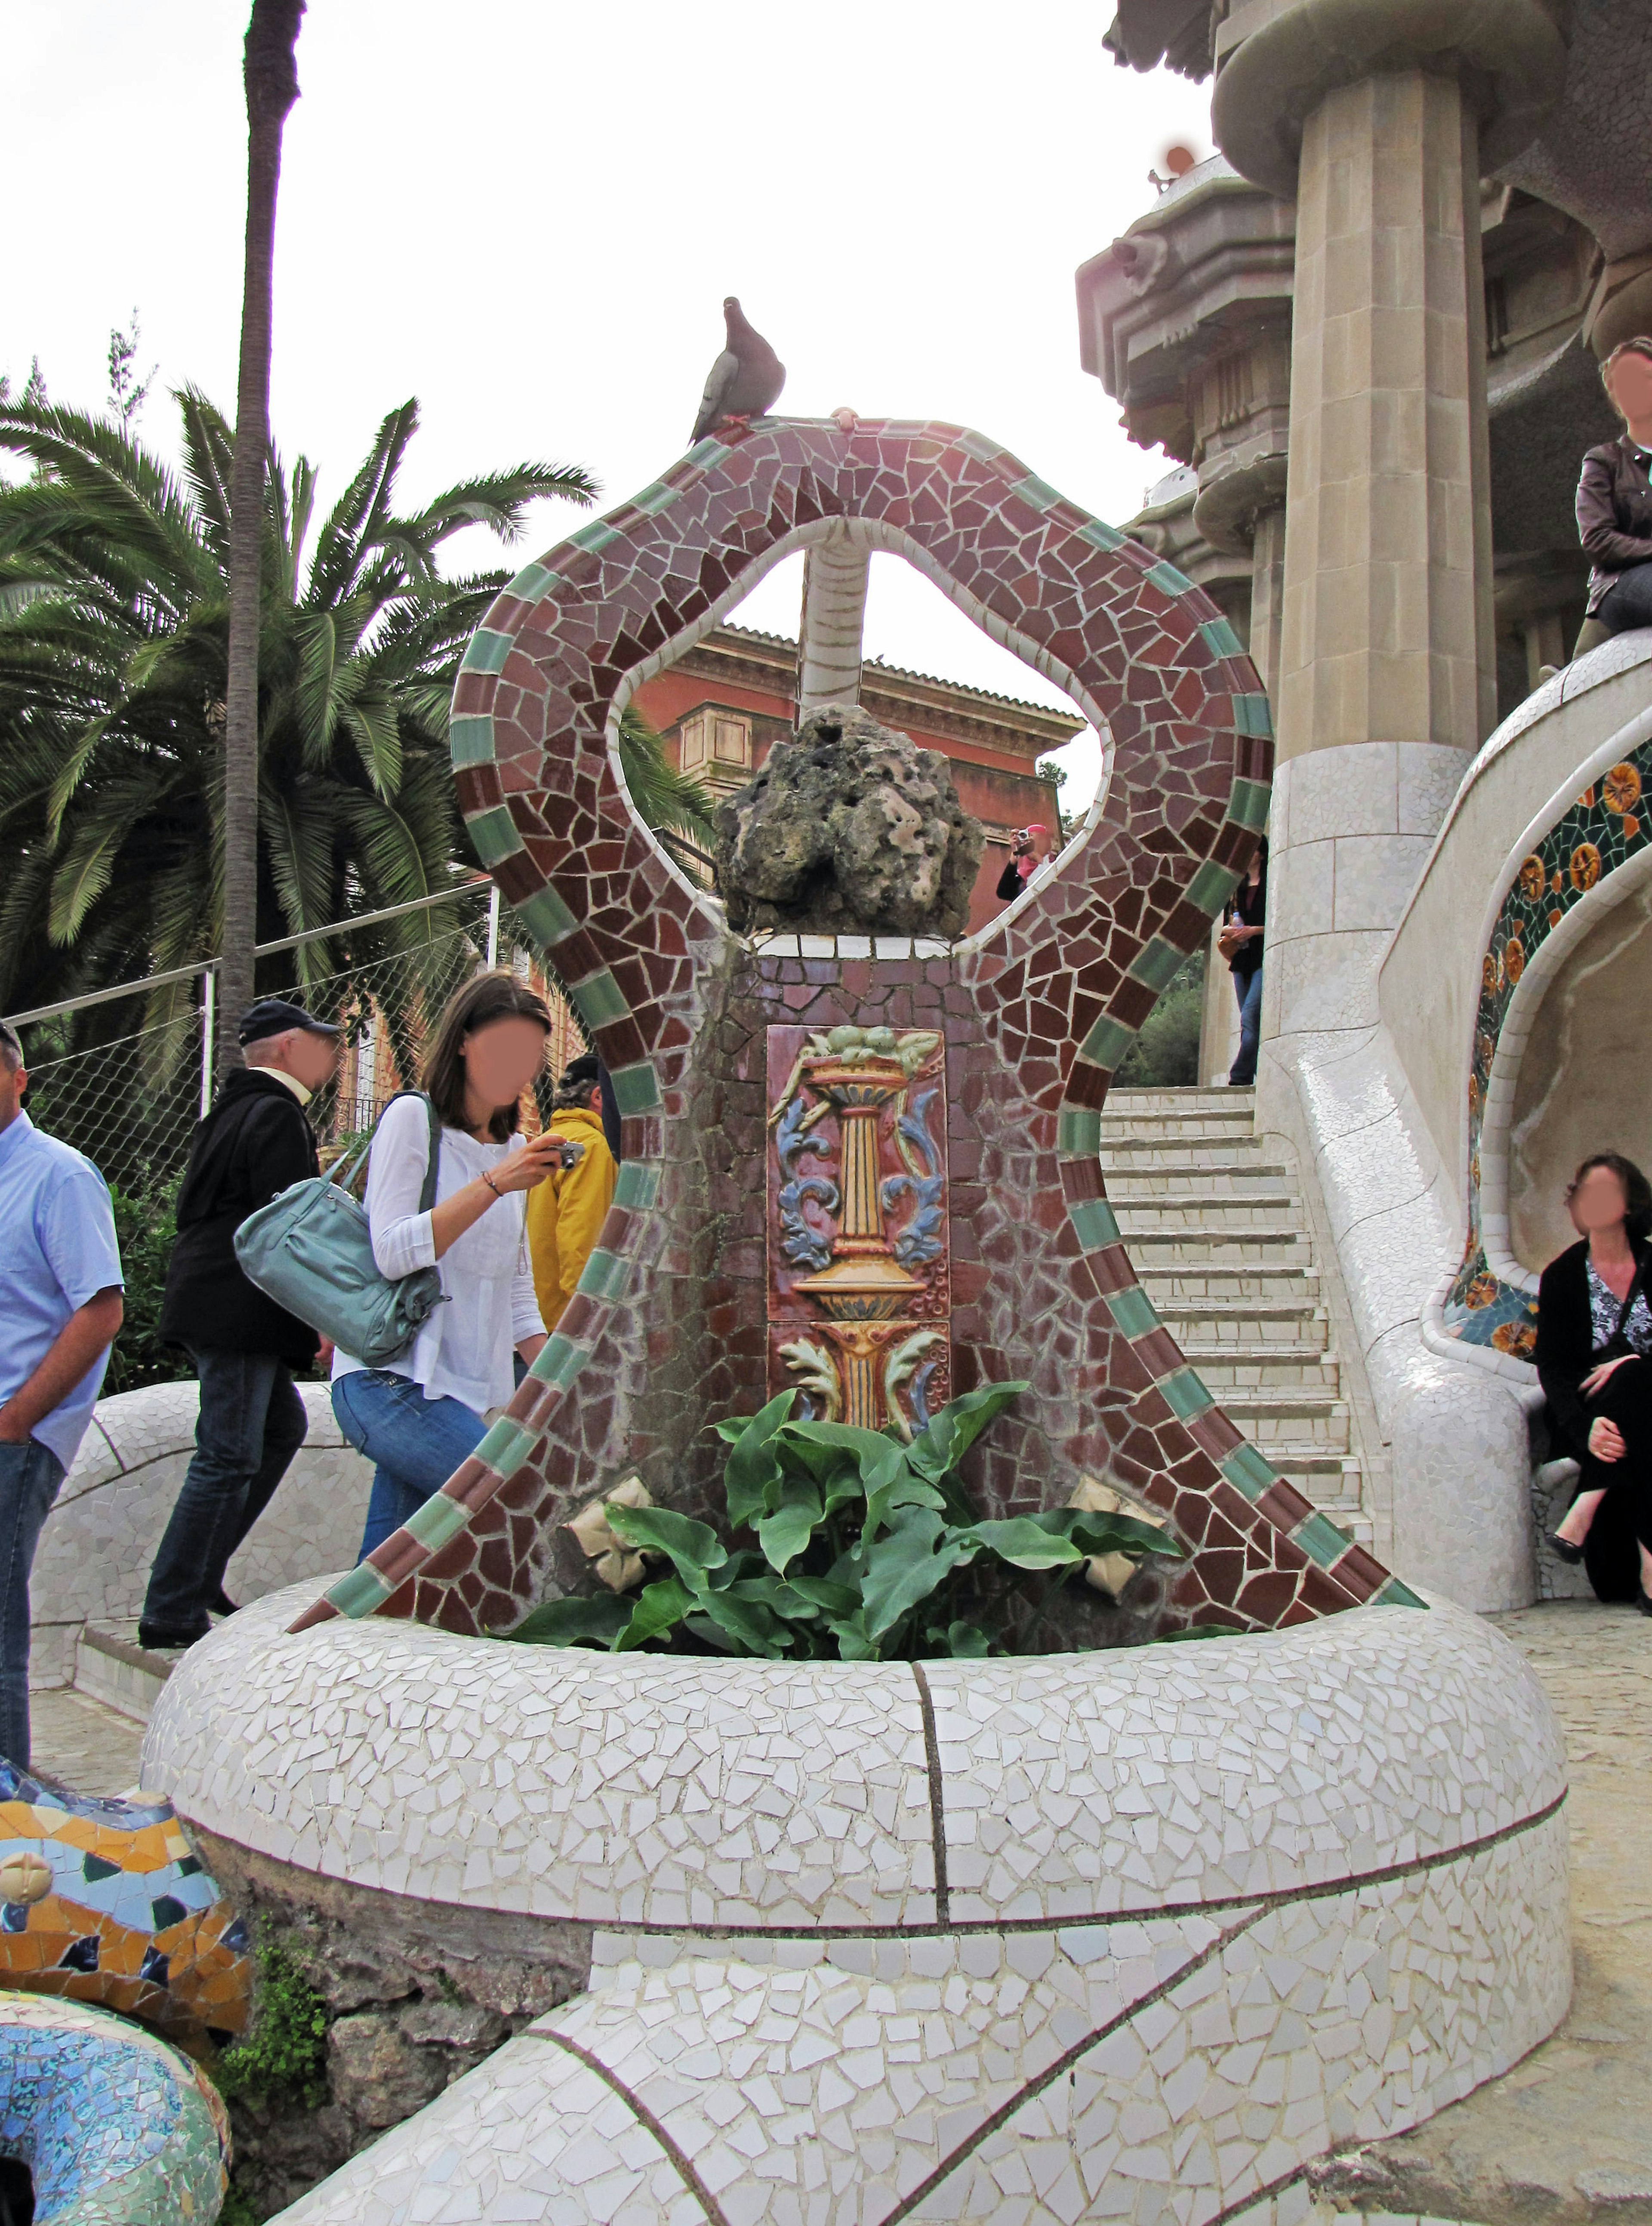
848 828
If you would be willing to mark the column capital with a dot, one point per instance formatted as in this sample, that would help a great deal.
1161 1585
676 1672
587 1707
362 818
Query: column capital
1276 61
1234 494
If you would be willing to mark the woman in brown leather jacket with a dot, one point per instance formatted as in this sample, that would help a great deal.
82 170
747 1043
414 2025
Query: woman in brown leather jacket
1615 503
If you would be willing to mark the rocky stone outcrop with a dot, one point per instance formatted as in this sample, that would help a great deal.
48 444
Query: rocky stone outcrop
850 828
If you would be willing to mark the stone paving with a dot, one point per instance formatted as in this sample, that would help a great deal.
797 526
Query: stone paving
91 1747
1567 2136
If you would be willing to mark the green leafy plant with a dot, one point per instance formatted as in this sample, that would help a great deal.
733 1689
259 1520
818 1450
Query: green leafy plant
145 1230
867 1548
284 2056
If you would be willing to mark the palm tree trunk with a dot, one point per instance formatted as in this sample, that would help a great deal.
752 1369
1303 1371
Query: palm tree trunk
271 78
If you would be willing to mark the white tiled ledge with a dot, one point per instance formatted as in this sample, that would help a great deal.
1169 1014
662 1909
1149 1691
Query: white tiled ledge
770 943
672 1793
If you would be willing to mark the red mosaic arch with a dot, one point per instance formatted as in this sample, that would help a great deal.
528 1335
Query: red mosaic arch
1038 1009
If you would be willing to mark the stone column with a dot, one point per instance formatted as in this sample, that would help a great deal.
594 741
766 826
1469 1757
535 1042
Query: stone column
836 575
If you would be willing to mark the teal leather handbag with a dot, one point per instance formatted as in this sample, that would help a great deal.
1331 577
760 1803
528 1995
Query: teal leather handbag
311 1250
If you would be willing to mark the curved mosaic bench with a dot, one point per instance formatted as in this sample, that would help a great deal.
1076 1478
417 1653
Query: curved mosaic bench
1157 1919
105 1901
116 2129
666 1332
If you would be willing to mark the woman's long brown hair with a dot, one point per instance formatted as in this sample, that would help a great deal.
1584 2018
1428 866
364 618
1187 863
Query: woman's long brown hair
487 997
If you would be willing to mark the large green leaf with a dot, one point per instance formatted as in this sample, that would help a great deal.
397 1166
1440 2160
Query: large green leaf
753 1467
783 1533
695 1548
950 1435
1023 1540
752 1625
660 1607
831 1599
905 1566
570 1622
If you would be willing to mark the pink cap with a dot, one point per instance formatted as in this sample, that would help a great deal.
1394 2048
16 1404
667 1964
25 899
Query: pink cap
1035 828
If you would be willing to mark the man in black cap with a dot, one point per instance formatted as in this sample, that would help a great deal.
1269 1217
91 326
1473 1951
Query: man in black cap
254 1142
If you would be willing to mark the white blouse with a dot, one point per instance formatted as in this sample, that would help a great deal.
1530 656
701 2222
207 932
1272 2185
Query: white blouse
488 1306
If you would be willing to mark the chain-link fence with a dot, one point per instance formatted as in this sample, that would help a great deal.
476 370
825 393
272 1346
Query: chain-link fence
127 1088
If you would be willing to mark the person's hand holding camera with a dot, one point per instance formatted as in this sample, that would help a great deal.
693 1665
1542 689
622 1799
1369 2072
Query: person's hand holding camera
540 1156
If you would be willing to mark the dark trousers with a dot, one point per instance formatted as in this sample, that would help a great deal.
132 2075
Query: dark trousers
1627 601
30 1477
1623 1518
1248 988
251 1423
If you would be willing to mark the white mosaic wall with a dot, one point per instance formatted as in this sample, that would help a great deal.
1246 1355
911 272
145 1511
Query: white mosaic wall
100 1537
1132 1935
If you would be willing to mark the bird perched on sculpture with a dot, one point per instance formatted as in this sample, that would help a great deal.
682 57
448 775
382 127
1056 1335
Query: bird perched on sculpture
746 379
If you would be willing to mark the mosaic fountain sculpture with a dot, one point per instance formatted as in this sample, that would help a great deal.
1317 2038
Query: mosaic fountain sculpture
1139 1931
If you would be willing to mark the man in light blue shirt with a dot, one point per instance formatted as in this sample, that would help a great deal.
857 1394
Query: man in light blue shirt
61 1306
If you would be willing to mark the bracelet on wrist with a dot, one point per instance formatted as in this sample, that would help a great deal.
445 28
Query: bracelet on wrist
492 1184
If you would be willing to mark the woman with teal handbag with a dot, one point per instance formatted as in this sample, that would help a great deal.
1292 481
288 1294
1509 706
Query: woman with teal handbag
418 1414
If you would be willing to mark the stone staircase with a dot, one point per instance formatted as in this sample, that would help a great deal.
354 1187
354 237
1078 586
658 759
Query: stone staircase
1218 1235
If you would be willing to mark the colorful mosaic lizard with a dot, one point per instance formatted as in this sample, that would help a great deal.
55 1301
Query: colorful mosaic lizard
116 2129
1606 826
104 1902
667 1330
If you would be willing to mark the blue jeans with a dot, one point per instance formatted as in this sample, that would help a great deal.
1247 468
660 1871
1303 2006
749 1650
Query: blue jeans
1627 601
30 1477
1248 988
415 1443
251 1424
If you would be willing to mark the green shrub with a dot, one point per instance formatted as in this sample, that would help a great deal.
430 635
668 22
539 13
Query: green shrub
146 1231
1165 1055
284 2058
868 1550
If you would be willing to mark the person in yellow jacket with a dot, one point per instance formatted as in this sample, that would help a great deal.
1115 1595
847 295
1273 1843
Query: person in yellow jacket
566 1211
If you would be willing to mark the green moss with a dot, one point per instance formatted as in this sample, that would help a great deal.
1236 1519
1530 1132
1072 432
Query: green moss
284 2056
236 2210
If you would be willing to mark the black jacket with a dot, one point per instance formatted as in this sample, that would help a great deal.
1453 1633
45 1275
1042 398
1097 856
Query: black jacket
1248 908
254 1142
1565 1341
1614 514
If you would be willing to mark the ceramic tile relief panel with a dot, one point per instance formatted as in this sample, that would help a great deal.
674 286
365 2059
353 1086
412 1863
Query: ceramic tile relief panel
669 1328
1606 826
859 1292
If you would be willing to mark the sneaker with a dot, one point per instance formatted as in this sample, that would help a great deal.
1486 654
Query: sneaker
1565 1549
221 1604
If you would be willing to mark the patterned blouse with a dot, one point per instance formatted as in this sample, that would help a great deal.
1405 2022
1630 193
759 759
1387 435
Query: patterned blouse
1603 1308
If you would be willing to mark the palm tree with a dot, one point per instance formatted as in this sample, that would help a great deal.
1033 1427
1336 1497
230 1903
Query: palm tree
270 74
115 617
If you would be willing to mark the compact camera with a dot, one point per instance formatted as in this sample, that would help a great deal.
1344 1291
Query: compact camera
570 1155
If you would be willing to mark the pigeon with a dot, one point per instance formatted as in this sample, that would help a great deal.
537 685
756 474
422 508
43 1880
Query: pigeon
746 379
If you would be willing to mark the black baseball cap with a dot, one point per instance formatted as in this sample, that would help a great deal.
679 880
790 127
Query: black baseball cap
580 1072
273 1016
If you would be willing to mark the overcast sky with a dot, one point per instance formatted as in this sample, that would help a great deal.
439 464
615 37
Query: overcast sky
527 215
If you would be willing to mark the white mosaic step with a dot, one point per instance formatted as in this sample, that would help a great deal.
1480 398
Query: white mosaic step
1191 1103
1201 1187
1039 1938
1213 1328
1265 1245
1258 1365
1214 1127
1287 1418
1145 1214
111 1667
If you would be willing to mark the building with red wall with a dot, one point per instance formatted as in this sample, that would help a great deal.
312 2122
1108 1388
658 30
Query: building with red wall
723 705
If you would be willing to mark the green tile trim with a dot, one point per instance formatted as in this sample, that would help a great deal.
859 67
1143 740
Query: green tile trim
637 1187
470 739
1097 1224
533 582
1247 805
1252 715
546 918
1107 1042
506 1446
598 999
708 452
1037 493
655 498
1168 579
1185 1393
437 1521
1156 963
1249 1471
977 445
635 1088
1102 537
487 651
359 1594
1220 638
560 1360
1212 886
493 833
1397 1594
1078 1132
1133 1310
1320 1539
594 537
606 1276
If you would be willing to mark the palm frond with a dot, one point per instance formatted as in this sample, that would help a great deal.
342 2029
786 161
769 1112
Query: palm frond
662 797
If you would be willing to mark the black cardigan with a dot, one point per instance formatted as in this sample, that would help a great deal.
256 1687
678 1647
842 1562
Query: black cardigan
254 1142
1565 1341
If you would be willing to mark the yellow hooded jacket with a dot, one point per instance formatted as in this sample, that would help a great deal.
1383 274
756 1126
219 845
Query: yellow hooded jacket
566 1212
